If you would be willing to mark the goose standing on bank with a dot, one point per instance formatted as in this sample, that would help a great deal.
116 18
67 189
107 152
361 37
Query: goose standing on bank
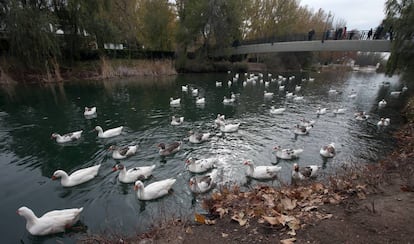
133 174
52 222
123 152
154 190
382 103
328 151
73 136
78 177
261 172
109 133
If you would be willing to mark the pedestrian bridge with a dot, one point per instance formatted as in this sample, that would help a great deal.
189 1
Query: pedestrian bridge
310 46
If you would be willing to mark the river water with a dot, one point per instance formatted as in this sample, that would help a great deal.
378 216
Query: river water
29 114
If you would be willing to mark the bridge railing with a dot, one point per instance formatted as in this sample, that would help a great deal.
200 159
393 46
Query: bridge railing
327 35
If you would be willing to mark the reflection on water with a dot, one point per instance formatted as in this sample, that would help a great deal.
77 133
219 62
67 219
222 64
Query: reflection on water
30 114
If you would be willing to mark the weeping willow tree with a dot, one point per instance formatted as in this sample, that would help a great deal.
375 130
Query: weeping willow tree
399 21
29 28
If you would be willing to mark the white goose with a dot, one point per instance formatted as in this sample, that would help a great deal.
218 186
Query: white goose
172 148
261 172
73 136
321 110
297 98
109 133
52 222
78 177
89 111
384 122
184 88
306 123
297 88
175 102
194 92
302 130
203 184
339 111
201 100
198 137
123 152
154 190
176 120
132 175
361 116
382 103
328 151
281 88
268 94
287 153
219 120
229 128
200 165
228 101
219 83
304 173
289 94
274 110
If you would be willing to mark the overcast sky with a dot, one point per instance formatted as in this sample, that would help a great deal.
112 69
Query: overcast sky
358 14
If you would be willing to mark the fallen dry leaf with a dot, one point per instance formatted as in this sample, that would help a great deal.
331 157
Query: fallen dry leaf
224 235
288 241
222 212
239 218
310 208
271 220
288 204
203 220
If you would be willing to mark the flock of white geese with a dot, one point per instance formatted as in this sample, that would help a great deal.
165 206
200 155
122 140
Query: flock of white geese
58 220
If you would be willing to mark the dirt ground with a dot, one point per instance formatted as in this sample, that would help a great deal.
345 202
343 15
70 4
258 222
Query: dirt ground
369 205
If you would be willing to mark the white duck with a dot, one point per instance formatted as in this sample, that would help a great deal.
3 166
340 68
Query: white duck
274 110
184 88
89 111
287 153
176 120
175 102
261 172
268 94
361 116
123 152
73 136
198 137
289 94
297 88
302 130
154 190
219 120
204 183
328 151
133 174
78 177
219 83
305 172
51 222
339 111
382 103
109 133
200 101
306 123
281 88
200 165
321 110
297 98
229 128
194 92
384 122
228 101
172 148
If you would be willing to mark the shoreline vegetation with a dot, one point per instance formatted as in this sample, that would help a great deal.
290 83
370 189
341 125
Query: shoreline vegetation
359 204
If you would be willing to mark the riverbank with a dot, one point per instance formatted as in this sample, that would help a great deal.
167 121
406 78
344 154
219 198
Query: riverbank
369 204
87 70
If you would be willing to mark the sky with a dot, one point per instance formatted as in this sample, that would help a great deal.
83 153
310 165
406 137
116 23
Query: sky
358 14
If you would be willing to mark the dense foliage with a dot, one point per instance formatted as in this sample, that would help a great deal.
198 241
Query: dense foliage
400 19
40 30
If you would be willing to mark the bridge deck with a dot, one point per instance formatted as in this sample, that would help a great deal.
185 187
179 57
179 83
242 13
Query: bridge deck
313 46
